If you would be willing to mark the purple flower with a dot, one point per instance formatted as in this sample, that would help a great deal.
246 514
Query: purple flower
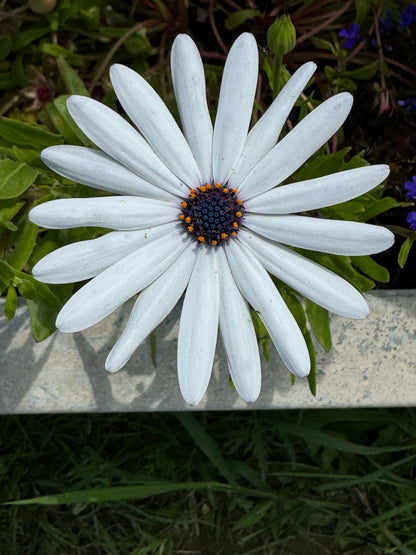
410 187
408 16
411 220
352 35
385 23
409 104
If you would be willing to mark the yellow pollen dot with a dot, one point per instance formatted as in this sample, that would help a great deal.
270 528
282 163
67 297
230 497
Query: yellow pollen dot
208 186
225 190
235 191
203 189
233 234
201 239
218 185
191 228
238 214
235 225
188 219
214 242
239 201
223 236
193 191
182 217
184 204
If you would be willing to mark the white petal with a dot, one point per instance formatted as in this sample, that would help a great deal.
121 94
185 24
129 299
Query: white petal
190 92
106 292
198 328
297 146
332 236
121 213
265 133
86 259
308 278
148 111
317 193
151 308
238 87
238 335
260 291
96 169
113 134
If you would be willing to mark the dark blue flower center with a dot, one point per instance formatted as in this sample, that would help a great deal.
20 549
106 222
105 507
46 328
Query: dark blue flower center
212 213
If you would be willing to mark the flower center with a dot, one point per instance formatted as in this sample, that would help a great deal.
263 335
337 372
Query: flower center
212 213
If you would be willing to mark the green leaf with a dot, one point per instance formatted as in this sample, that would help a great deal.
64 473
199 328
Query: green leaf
254 515
376 208
312 373
404 251
73 82
62 120
5 46
26 288
57 50
6 272
295 307
206 444
25 134
262 334
11 303
23 38
236 19
24 241
364 72
318 318
15 178
8 210
324 45
371 268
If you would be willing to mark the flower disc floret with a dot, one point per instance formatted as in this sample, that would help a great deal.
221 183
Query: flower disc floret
212 213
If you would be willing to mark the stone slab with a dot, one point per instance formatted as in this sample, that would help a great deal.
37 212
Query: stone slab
372 363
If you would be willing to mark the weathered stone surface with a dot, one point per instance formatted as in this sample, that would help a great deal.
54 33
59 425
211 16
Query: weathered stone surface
372 363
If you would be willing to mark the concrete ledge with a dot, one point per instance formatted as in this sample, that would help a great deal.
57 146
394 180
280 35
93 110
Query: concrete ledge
372 363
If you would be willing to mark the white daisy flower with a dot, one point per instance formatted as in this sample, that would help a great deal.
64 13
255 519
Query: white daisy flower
200 211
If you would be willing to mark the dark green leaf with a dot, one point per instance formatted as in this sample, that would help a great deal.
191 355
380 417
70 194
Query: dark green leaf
25 241
65 124
377 208
25 134
370 268
11 302
364 72
57 50
23 38
404 251
319 320
312 373
15 178
206 444
5 46
73 82
6 272
235 19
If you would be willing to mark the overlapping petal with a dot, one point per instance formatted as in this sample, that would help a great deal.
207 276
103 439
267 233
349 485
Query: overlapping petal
198 328
188 79
148 111
331 236
121 213
118 283
95 169
86 259
238 335
238 87
116 137
298 145
151 307
263 136
308 278
260 291
317 193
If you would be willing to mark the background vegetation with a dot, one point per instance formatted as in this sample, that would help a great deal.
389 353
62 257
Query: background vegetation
224 483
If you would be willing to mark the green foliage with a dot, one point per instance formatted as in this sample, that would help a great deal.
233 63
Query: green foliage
341 480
